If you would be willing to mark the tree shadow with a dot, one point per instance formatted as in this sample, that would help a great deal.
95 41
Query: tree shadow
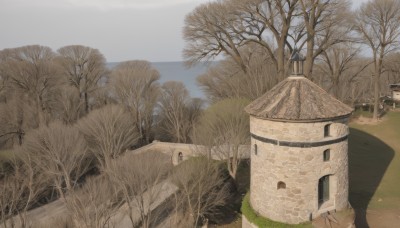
369 157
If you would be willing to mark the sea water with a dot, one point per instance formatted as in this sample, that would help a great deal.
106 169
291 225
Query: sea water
177 71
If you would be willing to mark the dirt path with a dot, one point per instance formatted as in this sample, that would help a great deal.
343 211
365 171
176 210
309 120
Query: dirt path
47 213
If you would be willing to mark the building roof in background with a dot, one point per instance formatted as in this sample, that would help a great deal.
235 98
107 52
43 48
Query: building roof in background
395 87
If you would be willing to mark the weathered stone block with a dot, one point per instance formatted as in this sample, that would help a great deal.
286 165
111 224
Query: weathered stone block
299 168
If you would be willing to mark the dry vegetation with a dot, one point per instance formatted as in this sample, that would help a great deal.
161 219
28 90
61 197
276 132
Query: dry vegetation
66 120
330 34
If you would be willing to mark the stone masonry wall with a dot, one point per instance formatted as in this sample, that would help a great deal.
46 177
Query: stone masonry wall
304 132
299 168
187 150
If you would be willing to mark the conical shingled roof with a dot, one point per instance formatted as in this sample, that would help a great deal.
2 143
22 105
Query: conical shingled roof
298 99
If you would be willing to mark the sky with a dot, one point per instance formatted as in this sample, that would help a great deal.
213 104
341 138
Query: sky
121 29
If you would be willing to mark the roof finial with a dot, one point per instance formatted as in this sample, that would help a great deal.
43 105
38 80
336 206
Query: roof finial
297 62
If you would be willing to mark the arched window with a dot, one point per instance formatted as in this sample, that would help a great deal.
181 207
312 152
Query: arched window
327 155
281 185
327 130
255 149
180 157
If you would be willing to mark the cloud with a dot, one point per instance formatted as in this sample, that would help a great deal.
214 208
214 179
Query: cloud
100 4
107 4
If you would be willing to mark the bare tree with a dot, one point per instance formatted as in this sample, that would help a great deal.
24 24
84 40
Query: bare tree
16 118
140 179
323 23
102 97
21 190
70 105
225 26
209 33
31 71
392 68
204 187
11 203
379 27
60 152
223 128
83 68
227 80
340 66
135 86
258 19
5 84
94 204
108 132
178 111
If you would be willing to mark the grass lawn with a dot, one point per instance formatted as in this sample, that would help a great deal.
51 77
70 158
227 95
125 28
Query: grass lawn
374 164
5 155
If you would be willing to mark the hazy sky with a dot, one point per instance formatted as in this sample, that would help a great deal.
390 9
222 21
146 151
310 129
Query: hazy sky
120 29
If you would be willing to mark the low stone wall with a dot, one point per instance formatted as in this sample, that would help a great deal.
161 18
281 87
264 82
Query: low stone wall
187 151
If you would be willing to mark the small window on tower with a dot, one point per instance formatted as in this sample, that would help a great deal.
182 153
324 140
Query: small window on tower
327 155
327 130
281 185
255 149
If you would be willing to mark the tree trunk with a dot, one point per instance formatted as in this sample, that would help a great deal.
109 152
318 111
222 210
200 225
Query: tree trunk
39 111
139 126
281 59
336 86
20 135
86 103
308 65
148 123
377 87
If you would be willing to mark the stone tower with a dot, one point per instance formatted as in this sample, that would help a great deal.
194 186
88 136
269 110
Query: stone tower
299 160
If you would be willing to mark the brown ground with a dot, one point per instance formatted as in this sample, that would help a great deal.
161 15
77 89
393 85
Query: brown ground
343 219
383 218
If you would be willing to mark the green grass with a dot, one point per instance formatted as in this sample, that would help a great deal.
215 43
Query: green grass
5 156
374 164
262 222
363 113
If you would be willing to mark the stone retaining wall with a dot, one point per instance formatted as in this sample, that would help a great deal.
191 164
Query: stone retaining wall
187 150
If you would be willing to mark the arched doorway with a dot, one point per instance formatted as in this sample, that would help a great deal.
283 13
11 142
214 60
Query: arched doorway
180 157
323 190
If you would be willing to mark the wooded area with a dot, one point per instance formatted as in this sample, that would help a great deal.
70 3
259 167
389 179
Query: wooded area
350 53
66 120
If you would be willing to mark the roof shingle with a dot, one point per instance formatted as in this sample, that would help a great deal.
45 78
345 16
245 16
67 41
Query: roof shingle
297 99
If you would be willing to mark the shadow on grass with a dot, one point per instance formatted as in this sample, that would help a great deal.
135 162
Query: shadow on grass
229 213
369 158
